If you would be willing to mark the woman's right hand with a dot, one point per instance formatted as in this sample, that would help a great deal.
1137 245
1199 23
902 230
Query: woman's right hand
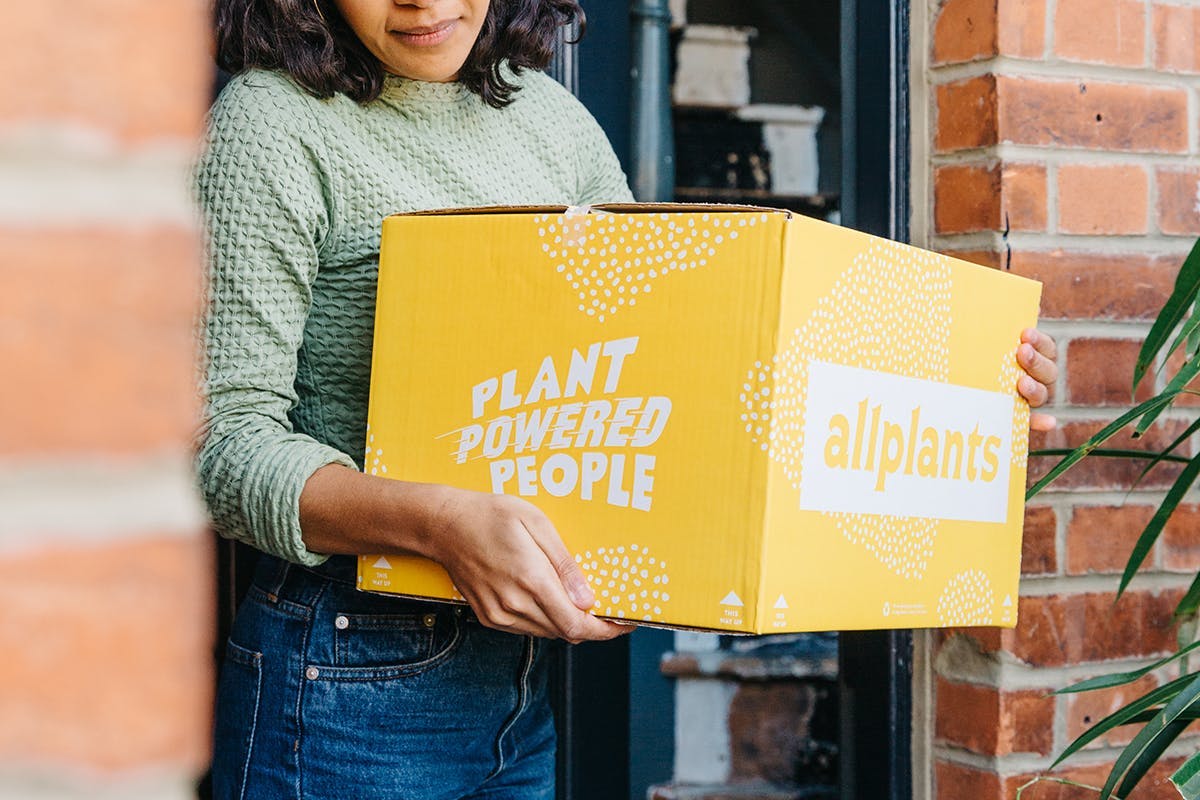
510 564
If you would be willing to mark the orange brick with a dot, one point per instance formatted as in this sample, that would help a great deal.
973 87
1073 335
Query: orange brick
1024 197
108 654
1057 630
1176 38
1179 201
1098 115
98 340
991 722
966 198
139 69
1155 785
1101 31
965 30
1180 540
1039 542
1100 371
1087 708
1098 285
985 258
966 114
1103 199
958 782
1100 538
1022 28
974 197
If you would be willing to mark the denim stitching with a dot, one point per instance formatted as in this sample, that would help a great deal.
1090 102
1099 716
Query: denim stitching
239 655
522 700
380 622
300 696
365 674
283 606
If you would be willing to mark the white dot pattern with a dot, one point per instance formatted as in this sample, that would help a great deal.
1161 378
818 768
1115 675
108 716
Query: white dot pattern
863 322
966 600
629 582
373 460
1010 372
614 261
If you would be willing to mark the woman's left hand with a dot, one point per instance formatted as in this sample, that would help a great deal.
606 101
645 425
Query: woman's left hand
1037 355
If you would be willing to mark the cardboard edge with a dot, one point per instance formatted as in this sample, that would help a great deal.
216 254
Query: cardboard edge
615 208
620 621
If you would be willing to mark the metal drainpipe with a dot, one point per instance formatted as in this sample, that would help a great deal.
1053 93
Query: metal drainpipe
653 156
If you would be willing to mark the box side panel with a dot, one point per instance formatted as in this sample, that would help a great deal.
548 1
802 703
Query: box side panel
594 365
896 487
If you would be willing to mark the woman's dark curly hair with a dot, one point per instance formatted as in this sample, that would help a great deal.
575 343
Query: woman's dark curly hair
309 40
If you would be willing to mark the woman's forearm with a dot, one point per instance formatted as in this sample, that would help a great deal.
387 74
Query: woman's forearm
503 554
344 512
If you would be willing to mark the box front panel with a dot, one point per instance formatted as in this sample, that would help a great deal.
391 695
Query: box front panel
899 443
595 365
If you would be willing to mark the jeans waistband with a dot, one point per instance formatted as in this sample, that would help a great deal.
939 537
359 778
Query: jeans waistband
304 584
343 569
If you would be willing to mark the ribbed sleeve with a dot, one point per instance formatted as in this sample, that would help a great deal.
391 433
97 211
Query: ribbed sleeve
260 187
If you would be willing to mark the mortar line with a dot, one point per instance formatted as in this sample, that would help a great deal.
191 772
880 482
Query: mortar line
1059 69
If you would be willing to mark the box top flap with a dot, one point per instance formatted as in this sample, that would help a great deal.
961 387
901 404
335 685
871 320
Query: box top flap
616 208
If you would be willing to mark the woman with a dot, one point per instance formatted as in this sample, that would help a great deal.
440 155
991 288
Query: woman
341 112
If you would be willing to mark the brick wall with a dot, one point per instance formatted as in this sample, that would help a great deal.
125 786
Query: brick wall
105 569
1064 145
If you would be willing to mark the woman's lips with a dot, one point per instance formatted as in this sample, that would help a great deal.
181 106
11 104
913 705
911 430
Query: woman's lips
427 36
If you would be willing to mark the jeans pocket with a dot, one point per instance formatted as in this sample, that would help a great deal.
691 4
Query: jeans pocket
379 646
236 721
380 640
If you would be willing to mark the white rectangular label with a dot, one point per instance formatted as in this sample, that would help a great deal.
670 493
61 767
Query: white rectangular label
876 443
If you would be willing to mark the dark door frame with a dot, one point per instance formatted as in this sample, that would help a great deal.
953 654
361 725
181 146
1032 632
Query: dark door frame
875 668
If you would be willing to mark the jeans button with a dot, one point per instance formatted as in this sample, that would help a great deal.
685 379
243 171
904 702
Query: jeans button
312 673
430 620
341 623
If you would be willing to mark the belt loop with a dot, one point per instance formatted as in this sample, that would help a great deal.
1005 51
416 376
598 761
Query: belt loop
281 573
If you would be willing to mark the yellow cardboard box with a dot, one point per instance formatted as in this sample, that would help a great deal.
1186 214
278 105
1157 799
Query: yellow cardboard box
738 419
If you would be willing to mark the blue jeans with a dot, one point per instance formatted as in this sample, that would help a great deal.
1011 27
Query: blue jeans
328 693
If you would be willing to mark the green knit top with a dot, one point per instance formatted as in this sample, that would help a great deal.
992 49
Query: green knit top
294 190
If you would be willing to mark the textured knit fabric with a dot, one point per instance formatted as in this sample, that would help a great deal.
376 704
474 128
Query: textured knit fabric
294 190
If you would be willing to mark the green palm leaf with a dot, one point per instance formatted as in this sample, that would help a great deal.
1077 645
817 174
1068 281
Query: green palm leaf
1148 757
1151 741
1122 678
1183 296
1190 602
1150 535
1126 715
1167 454
1135 455
1177 384
1187 778
1098 439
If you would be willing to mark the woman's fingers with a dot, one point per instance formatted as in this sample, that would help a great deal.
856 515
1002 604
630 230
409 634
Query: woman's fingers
1042 422
1037 355
512 567
1042 342
1035 392
574 625
569 574
567 598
